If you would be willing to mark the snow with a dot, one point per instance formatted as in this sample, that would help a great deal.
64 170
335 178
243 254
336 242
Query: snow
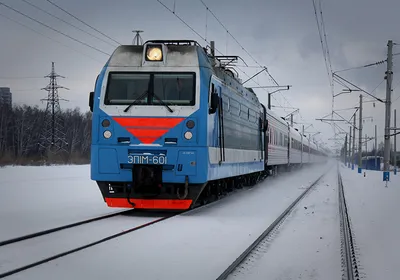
306 245
197 245
374 211
38 198
55 243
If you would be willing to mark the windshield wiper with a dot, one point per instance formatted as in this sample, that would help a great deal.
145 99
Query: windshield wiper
134 101
163 103
141 96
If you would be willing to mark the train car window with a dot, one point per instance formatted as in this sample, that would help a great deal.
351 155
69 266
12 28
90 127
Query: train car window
225 101
279 138
253 116
234 107
243 112
211 91
273 136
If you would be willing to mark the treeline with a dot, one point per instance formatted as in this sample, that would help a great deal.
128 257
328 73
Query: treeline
22 126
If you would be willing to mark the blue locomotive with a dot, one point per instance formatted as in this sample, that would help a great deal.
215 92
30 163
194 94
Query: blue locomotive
173 126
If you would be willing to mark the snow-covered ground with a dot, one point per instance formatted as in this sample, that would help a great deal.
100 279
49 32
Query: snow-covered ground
374 213
38 198
197 245
55 243
306 245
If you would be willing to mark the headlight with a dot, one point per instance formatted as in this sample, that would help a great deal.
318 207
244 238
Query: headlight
154 53
190 124
105 123
188 135
107 134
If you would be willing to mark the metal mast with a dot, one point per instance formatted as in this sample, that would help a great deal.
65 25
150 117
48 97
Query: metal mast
53 137
360 138
137 40
354 141
389 77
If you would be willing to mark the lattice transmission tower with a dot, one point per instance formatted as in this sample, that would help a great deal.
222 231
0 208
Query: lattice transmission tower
53 136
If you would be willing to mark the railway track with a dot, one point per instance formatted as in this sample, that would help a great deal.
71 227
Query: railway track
38 243
266 233
48 231
349 261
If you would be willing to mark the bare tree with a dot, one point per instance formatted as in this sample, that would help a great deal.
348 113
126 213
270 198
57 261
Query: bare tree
20 129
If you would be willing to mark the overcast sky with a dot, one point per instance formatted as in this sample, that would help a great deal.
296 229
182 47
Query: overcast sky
281 35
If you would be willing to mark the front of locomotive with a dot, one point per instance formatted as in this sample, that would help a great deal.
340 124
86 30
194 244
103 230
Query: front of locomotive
147 138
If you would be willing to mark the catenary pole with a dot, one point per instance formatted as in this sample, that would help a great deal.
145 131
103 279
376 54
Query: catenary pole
389 76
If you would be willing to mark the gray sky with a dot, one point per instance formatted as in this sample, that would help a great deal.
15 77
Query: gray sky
281 35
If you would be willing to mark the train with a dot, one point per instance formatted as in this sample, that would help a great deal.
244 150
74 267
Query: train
173 127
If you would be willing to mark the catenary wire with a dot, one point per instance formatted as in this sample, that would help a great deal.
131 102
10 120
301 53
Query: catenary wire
48 37
88 25
66 35
66 22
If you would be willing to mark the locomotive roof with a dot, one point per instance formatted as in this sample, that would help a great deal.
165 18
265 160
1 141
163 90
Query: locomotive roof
177 56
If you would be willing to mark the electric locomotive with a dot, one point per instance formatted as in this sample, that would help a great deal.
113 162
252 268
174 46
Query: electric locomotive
172 125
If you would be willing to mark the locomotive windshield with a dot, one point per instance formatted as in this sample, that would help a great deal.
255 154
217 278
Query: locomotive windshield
159 88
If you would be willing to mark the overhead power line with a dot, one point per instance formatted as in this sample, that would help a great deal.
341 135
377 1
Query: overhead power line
185 23
234 38
48 37
19 78
364 66
245 50
66 22
83 22
325 37
325 51
322 38
204 39
66 35
357 87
